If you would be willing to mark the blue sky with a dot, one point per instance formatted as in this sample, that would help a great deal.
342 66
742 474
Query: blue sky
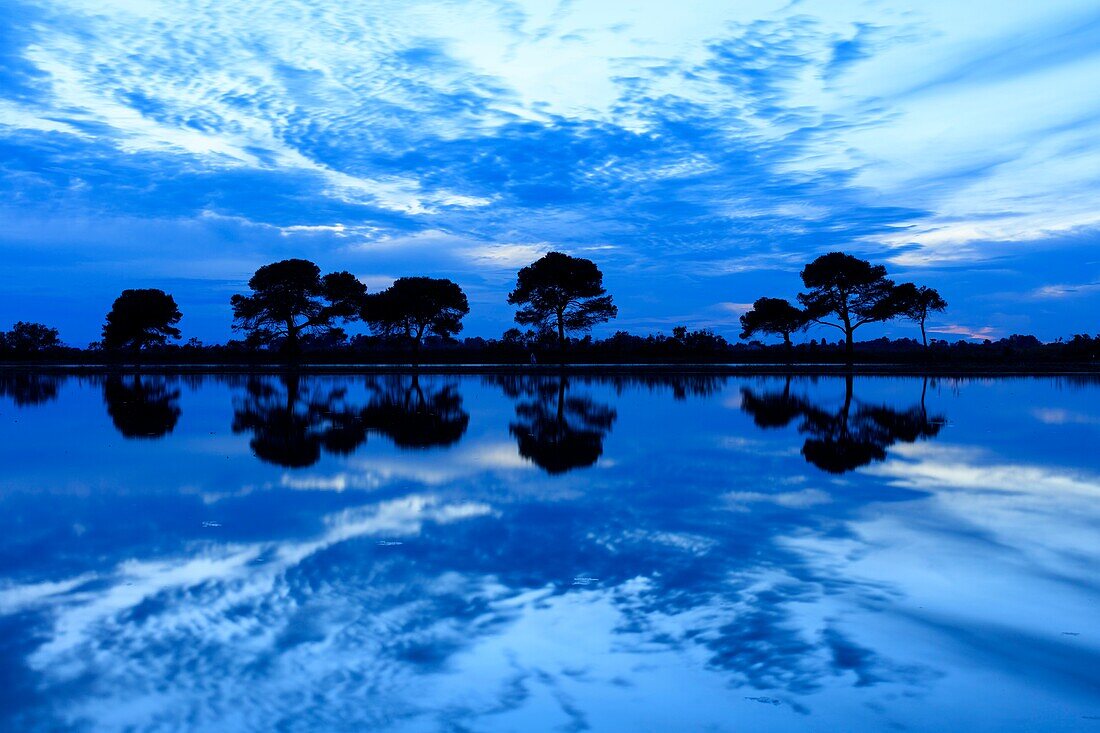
701 153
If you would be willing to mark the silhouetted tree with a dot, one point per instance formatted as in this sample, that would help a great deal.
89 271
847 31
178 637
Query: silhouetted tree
556 431
290 299
853 290
841 441
562 292
915 303
415 307
773 316
141 318
27 339
413 417
141 408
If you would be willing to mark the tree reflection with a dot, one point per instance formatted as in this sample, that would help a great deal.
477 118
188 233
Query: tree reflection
293 421
141 407
555 430
413 417
26 389
851 437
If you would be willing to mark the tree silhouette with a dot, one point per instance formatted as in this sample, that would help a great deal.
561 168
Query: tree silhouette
773 316
915 303
290 299
853 290
141 408
416 306
141 318
30 338
413 417
563 293
841 441
556 431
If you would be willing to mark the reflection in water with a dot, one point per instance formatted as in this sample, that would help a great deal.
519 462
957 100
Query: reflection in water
293 420
26 389
292 423
703 579
412 416
556 431
141 407
843 440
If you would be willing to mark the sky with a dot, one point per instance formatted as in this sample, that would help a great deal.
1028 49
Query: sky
700 153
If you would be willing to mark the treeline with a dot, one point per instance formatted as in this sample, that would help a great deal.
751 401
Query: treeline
292 311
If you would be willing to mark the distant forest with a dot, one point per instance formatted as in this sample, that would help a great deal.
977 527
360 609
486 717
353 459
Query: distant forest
292 313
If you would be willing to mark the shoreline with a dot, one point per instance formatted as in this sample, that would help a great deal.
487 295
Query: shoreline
593 369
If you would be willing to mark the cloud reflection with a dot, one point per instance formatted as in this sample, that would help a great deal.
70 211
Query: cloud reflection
473 589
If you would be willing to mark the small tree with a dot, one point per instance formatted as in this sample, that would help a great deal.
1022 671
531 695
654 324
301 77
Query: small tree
415 307
141 318
853 290
774 316
290 299
915 303
562 292
30 338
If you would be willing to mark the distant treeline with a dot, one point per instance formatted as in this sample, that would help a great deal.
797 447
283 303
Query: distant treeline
295 313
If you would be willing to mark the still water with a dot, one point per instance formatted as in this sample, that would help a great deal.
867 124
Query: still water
520 553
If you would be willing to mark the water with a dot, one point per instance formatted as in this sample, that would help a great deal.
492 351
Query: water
519 554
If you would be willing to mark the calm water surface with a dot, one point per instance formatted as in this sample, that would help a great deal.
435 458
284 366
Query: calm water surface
476 553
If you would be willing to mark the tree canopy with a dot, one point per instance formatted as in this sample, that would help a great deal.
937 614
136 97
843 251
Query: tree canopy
563 293
773 316
141 318
417 306
916 302
30 338
290 299
853 290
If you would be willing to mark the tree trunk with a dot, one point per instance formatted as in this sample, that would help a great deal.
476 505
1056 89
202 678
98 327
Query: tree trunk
923 337
561 336
291 346
416 346
848 331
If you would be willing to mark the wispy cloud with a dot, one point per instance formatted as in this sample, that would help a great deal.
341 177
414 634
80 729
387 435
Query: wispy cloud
712 146
970 332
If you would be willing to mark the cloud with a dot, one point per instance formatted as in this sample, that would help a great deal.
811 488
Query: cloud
971 332
1047 292
802 499
704 147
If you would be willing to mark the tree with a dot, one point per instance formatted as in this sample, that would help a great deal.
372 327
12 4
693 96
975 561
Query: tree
416 306
773 316
30 338
562 292
853 290
141 318
290 299
915 303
